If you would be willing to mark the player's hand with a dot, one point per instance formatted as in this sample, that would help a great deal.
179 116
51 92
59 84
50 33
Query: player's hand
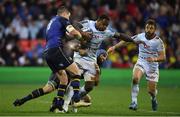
140 42
97 68
150 59
111 49
97 76
87 35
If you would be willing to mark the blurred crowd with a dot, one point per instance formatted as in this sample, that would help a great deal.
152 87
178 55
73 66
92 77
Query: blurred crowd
23 24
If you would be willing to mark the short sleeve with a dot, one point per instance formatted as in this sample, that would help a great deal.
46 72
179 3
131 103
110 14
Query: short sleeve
84 23
135 38
65 22
110 33
160 46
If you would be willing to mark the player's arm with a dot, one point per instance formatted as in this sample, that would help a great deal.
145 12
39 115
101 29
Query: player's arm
97 76
161 53
83 52
73 32
85 34
161 57
118 45
127 38
123 37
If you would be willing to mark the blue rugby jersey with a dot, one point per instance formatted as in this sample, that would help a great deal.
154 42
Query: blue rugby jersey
55 31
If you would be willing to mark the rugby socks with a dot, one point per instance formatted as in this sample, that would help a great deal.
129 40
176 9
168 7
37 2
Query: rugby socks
36 93
134 92
75 83
82 91
61 91
68 98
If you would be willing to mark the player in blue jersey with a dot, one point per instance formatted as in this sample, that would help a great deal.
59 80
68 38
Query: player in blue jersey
53 83
57 59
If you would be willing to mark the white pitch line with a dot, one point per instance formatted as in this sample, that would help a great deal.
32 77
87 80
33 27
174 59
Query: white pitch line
159 112
47 102
143 110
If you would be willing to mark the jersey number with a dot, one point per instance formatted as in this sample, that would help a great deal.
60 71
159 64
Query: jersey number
49 25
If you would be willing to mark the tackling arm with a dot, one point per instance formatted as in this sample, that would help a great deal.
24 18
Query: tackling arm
123 36
118 45
72 31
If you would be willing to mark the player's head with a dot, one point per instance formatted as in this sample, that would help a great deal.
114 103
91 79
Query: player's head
64 12
150 27
102 22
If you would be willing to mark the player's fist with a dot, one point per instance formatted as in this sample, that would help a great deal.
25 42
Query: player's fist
86 35
150 59
111 49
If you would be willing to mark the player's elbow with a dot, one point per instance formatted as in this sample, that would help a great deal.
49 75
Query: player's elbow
163 58
76 34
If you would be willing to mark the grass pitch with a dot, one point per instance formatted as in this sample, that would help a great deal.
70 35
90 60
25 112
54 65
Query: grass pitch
110 98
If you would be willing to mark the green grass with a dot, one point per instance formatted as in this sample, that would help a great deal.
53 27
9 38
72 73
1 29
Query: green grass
110 98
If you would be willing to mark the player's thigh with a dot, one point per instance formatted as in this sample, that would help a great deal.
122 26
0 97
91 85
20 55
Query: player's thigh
73 68
57 59
89 77
151 86
48 88
138 72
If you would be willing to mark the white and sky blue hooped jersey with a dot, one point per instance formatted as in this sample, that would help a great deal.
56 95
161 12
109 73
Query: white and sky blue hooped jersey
98 37
154 46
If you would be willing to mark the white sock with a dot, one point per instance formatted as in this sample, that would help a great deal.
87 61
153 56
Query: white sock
134 92
69 95
82 91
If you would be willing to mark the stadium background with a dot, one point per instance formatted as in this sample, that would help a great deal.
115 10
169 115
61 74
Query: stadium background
22 28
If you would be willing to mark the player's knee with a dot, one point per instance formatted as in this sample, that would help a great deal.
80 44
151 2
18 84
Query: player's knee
135 80
76 76
48 88
151 90
89 86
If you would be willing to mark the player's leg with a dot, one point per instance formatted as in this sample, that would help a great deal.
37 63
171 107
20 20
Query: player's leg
88 86
138 72
49 87
75 80
69 94
58 61
152 87
153 92
58 101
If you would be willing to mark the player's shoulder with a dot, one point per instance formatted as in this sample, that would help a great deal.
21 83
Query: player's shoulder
141 34
157 38
85 21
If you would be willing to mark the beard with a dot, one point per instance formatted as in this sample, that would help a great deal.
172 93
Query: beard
149 35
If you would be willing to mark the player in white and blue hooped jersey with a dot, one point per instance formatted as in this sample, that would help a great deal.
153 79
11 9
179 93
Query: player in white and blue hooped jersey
151 51
100 32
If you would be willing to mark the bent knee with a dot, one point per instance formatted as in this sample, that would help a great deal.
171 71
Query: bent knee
48 88
135 80
89 86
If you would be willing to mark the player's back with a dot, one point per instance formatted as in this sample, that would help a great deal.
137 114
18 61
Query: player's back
55 31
